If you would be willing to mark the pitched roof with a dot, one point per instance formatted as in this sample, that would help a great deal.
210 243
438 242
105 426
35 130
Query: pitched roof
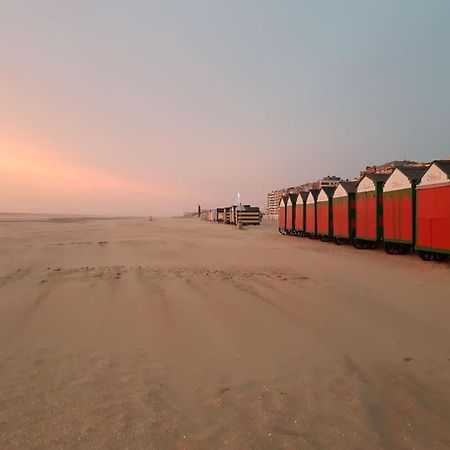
329 191
444 165
412 173
304 195
283 199
377 177
315 193
349 186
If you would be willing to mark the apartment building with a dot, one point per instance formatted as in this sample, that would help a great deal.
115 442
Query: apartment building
274 197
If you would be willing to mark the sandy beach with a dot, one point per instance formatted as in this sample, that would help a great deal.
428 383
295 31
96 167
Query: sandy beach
180 334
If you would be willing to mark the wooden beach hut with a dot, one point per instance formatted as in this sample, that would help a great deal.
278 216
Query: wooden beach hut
282 214
249 215
311 210
369 210
325 213
344 212
433 212
300 214
290 213
399 196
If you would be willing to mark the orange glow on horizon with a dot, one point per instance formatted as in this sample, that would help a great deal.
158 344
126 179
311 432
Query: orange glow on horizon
33 166
35 179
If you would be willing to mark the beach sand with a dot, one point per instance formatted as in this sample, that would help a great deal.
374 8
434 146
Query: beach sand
180 334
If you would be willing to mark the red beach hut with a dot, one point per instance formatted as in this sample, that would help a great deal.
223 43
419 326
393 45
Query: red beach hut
369 210
290 213
344 212
433 212
311 209
325 213
300 214
399 195
282 215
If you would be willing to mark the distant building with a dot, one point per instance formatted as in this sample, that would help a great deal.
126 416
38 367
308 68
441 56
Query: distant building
306 187
274 197
329 181
273 200
389 167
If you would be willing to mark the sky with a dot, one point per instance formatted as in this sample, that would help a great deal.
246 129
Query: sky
152 107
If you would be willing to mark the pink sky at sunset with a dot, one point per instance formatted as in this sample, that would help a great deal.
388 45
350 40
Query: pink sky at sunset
138 108
46 182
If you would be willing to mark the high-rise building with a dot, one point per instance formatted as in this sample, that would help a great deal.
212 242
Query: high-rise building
274 197
273 200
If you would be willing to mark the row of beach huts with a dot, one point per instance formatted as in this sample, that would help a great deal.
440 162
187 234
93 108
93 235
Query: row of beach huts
408 210
236 214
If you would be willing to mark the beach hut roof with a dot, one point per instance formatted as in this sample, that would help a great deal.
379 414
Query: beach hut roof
304 195
312 196
444 165
293 198
402 178
369 182
314 192
249 208
412 173
329 191
376 177
437 173
326 193
283 200
349 186
345 188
